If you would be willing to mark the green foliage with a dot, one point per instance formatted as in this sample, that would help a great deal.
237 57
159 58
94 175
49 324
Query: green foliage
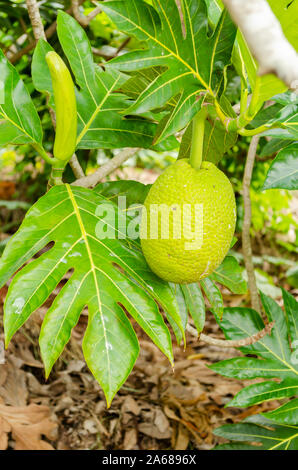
283 117
107 272
246 66
110 274
195 303
265 283
287 13
277 358
173 45
273 146
230 274
292 276
276 354
214 296
99 122
217 140
19 121
179 60
134 192
12 205
283 172
10 26
271 211
258 433
285 414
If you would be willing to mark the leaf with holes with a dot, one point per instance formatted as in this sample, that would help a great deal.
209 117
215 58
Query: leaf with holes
110 276
229 273
99 123
130 196
276 355
177 39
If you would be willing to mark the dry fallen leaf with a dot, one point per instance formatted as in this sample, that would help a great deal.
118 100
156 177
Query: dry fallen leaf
4 430
157 425
27 425
130 406
182 440
130 439
7 189
13 389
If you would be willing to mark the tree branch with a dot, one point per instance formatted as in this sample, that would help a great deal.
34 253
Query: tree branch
82 19
91 180
35 19
246 243
225 343
265 39
48 33
76 167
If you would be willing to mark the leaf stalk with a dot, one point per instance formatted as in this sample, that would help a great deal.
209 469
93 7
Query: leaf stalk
198 129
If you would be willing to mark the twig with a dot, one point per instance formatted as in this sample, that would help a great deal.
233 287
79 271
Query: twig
265 38
91 180
246 242
38 30
25 30
35 19
236 106
76 167
226 343
101 51
48 33
83 20
18 55
122 46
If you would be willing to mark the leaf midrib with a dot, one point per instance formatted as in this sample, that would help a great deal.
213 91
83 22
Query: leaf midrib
13 123
168 49
93 270
268 349
96 111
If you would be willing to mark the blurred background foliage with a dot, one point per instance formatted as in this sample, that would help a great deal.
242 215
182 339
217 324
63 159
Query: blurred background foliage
24 175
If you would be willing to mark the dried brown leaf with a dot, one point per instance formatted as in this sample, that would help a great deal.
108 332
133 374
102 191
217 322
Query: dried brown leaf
182 438
28 424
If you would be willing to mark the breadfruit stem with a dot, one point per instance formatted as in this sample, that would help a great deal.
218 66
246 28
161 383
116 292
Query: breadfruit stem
255 103
56 177
198 128
39 148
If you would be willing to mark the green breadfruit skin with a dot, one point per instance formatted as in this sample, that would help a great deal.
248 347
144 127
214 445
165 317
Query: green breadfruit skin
186 260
